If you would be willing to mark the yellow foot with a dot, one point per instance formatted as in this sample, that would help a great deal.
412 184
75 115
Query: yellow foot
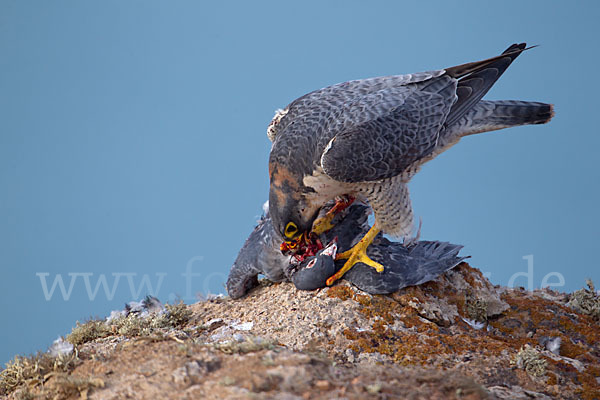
324 224
355 255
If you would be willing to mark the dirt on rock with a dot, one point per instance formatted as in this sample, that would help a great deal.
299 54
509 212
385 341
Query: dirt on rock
458 337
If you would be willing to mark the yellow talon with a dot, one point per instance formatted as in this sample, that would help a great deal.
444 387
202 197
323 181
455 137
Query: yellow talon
357 254
323 224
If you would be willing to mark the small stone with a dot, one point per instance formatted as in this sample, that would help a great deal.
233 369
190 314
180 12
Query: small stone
371 358
195 371
374 388
227 381
350 355
238 337
294 379
179 376
322 385
261 383
268 359
147 372
214 321
244 326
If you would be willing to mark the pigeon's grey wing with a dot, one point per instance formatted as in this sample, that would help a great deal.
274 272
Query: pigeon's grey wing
403 267
259 255
243 275
396 268
400 132
428 260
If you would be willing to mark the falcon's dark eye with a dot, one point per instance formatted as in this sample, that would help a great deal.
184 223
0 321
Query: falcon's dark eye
290 230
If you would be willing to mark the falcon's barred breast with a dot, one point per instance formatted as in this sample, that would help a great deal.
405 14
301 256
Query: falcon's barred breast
367 138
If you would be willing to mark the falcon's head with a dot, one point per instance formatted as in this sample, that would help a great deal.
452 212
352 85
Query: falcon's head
290 210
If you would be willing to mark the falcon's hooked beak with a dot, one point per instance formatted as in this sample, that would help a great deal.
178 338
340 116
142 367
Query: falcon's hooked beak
291 245
306 245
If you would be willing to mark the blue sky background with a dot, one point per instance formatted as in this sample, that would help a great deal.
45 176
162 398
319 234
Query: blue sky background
132 139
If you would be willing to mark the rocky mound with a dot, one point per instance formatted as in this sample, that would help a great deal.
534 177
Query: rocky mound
455 337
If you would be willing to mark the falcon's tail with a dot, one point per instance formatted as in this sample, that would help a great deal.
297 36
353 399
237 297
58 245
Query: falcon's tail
476 79
469 114
492 115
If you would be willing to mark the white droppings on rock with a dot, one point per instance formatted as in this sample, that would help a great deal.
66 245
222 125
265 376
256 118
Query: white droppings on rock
244 326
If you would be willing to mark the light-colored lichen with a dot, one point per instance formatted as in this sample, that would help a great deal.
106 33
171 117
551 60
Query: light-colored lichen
132 325
477 309
529 359
586 301
66 386
32 370
178 314
86 332
245 344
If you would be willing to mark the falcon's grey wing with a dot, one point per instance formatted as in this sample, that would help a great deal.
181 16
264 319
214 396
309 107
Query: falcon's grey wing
389 143
314 109
313 119
397 137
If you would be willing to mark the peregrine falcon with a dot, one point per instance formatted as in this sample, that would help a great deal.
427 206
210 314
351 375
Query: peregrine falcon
367 138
